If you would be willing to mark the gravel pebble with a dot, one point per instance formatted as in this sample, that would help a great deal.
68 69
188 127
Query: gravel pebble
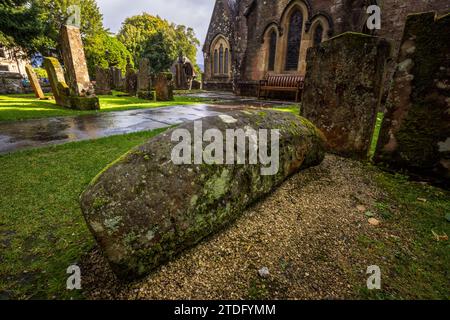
306 233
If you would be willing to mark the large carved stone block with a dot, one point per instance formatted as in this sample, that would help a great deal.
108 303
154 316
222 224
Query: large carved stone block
415 134
75 61
143 209
343 89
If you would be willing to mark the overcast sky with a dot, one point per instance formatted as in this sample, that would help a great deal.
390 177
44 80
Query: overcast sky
192 13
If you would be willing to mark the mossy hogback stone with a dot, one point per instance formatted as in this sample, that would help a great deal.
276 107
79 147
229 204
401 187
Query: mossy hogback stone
143 209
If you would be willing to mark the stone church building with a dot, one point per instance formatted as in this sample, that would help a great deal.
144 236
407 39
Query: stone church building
249 38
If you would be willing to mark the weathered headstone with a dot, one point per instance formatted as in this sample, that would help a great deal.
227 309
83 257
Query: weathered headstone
116 79
82 96
183 73
75 61
196 85
57 81
34 81
343 89
144 209
415 133
144 80
61 90
103 81
131 82
164 87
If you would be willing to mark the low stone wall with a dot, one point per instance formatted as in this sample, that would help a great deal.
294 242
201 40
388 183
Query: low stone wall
11 83
217 86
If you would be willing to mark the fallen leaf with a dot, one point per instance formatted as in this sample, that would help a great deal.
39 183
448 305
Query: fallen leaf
374 222
422 199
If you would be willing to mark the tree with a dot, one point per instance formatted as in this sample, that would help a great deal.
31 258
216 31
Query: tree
155 38
55 15
20 23
104 50
161 50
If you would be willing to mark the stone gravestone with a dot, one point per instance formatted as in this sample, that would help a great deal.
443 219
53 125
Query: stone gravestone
144 80
183 73
58 84
415 133
116 79
61 90
131 82
75 61
103 81
343 89
81 89
34 81
164 87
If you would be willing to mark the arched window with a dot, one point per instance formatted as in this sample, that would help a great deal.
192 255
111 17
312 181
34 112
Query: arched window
318 35
221 59
294 40
220 56
225 63
216 62
272 50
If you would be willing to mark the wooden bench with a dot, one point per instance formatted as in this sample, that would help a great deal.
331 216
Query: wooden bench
281 82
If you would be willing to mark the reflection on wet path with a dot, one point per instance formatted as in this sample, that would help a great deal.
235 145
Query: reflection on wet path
43 132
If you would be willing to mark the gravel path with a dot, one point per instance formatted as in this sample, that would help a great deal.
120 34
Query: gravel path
306 233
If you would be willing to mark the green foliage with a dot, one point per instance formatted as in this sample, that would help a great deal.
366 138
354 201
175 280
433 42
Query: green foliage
41 73
157 39
104 50
159 49
51 15
20 23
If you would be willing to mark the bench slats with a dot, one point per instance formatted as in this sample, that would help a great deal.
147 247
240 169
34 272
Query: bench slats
281 82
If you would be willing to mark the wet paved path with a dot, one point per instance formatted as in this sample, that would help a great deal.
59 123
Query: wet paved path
20 135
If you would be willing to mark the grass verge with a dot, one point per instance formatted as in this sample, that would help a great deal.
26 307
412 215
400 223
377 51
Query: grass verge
412 245
42 231
26 106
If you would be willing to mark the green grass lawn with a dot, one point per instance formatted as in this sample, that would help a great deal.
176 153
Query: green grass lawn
42 230
26 106
416 257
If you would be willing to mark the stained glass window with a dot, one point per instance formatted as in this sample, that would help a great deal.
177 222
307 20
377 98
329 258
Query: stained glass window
225 63
216 62
221 59
272 50
294 40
